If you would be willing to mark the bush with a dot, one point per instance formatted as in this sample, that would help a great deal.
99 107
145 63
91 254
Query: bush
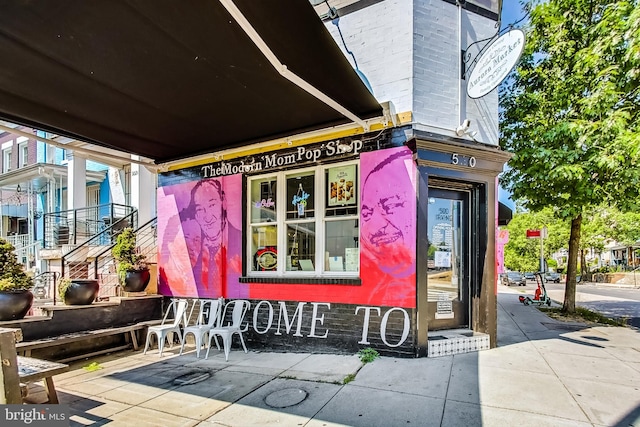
12 274
126 254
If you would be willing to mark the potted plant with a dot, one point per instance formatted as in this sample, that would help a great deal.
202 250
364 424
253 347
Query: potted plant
15 285
78 291
132 268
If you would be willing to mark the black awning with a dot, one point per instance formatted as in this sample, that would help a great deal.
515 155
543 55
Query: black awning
169 79
505 214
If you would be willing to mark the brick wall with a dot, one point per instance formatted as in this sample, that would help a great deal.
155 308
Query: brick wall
410 53
336 328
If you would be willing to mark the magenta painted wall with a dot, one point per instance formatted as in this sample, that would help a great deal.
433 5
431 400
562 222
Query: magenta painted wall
387 236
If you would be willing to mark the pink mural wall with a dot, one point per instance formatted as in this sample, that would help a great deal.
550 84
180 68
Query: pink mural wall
199 235
194 262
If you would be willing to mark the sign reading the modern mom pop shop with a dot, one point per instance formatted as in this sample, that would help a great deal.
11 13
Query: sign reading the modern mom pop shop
495 63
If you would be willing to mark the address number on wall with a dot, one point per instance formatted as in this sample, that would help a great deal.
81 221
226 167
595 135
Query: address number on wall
457 159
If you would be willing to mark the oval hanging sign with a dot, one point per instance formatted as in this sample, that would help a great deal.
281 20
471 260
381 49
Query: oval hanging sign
495 63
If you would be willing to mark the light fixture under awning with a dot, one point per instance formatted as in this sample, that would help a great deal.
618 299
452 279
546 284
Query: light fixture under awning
168 80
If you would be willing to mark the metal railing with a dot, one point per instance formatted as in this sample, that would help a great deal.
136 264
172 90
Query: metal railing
26 251
75 263
45 285
76 226
100 265
19 240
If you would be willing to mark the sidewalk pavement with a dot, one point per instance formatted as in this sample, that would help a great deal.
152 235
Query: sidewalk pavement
543 373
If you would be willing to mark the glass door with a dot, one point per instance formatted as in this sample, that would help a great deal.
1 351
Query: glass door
448 259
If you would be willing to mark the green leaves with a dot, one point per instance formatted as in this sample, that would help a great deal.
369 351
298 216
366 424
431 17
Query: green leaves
570 113
570 110
12 275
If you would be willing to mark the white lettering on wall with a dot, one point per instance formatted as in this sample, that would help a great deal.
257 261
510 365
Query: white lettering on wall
315 318
255 317
305 154
318 319
298 312
383 327
365 324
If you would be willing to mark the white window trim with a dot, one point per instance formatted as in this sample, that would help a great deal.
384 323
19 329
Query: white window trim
281 222
6 160
23 160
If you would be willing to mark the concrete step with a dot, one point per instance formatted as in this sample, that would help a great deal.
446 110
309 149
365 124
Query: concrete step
446 343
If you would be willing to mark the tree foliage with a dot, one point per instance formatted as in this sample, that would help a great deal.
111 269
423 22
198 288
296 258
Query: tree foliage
523 254
570 113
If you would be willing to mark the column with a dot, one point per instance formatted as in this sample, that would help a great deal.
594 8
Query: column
76 181
143 191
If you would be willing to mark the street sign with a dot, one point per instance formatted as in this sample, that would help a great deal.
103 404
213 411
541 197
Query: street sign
533 234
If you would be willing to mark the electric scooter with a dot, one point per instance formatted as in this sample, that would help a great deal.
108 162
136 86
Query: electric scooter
540 297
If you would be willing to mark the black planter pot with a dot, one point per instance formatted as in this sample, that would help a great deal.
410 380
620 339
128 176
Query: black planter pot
14 305
136 281
81 292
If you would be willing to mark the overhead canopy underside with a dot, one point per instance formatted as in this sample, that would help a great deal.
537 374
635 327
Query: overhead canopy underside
168 79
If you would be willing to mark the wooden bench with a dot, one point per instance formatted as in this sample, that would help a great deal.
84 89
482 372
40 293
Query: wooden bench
30 370
130 332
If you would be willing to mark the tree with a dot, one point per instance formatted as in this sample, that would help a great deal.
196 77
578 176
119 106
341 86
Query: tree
523 254
570 113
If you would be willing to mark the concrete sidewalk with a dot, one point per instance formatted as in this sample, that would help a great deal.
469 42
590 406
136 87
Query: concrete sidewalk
544 373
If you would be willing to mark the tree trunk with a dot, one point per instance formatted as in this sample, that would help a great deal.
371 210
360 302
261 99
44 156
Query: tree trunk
569 305
584 271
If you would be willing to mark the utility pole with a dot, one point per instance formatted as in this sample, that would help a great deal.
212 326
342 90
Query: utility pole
543 234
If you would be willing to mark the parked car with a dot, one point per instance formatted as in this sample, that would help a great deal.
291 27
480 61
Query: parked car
530 276
513 278
552 277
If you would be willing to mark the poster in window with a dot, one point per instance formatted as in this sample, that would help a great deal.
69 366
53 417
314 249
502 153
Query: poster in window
351 259
342 189
443 259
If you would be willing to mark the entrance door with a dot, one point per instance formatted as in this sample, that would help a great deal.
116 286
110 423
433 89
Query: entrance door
448 259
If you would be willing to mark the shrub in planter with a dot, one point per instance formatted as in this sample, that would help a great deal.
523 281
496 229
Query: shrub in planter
15 285
132 268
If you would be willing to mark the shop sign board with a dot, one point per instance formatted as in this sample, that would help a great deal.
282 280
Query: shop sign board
533 234
495 63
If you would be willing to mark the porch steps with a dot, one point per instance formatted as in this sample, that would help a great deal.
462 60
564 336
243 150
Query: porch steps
458 341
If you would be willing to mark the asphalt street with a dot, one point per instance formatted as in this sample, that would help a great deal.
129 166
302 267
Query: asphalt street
611 300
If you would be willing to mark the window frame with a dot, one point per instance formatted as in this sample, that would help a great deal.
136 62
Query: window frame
6 159
23 154
319 221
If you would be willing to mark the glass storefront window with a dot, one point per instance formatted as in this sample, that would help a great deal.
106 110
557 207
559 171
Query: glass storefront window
300 195
263 200
301 247
264 247
341 245
315 223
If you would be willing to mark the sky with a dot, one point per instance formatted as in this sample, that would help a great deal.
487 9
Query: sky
511 12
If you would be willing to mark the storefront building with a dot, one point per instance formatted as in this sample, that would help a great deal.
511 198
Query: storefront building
342 244
344 228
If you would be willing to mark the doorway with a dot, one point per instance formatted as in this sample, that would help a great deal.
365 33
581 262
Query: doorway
448 259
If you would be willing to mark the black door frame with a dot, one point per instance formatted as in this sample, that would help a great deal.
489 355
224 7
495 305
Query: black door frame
464 195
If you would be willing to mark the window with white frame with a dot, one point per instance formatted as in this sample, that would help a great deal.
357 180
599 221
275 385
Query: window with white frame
6 160
23 150
304 222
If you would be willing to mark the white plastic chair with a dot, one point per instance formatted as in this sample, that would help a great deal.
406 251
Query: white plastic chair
240 308
167 328
211 309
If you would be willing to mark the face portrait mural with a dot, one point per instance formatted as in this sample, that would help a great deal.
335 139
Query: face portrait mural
207 207
200 246
388 223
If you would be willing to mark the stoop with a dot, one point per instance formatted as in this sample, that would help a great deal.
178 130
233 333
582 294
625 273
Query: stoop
456 341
